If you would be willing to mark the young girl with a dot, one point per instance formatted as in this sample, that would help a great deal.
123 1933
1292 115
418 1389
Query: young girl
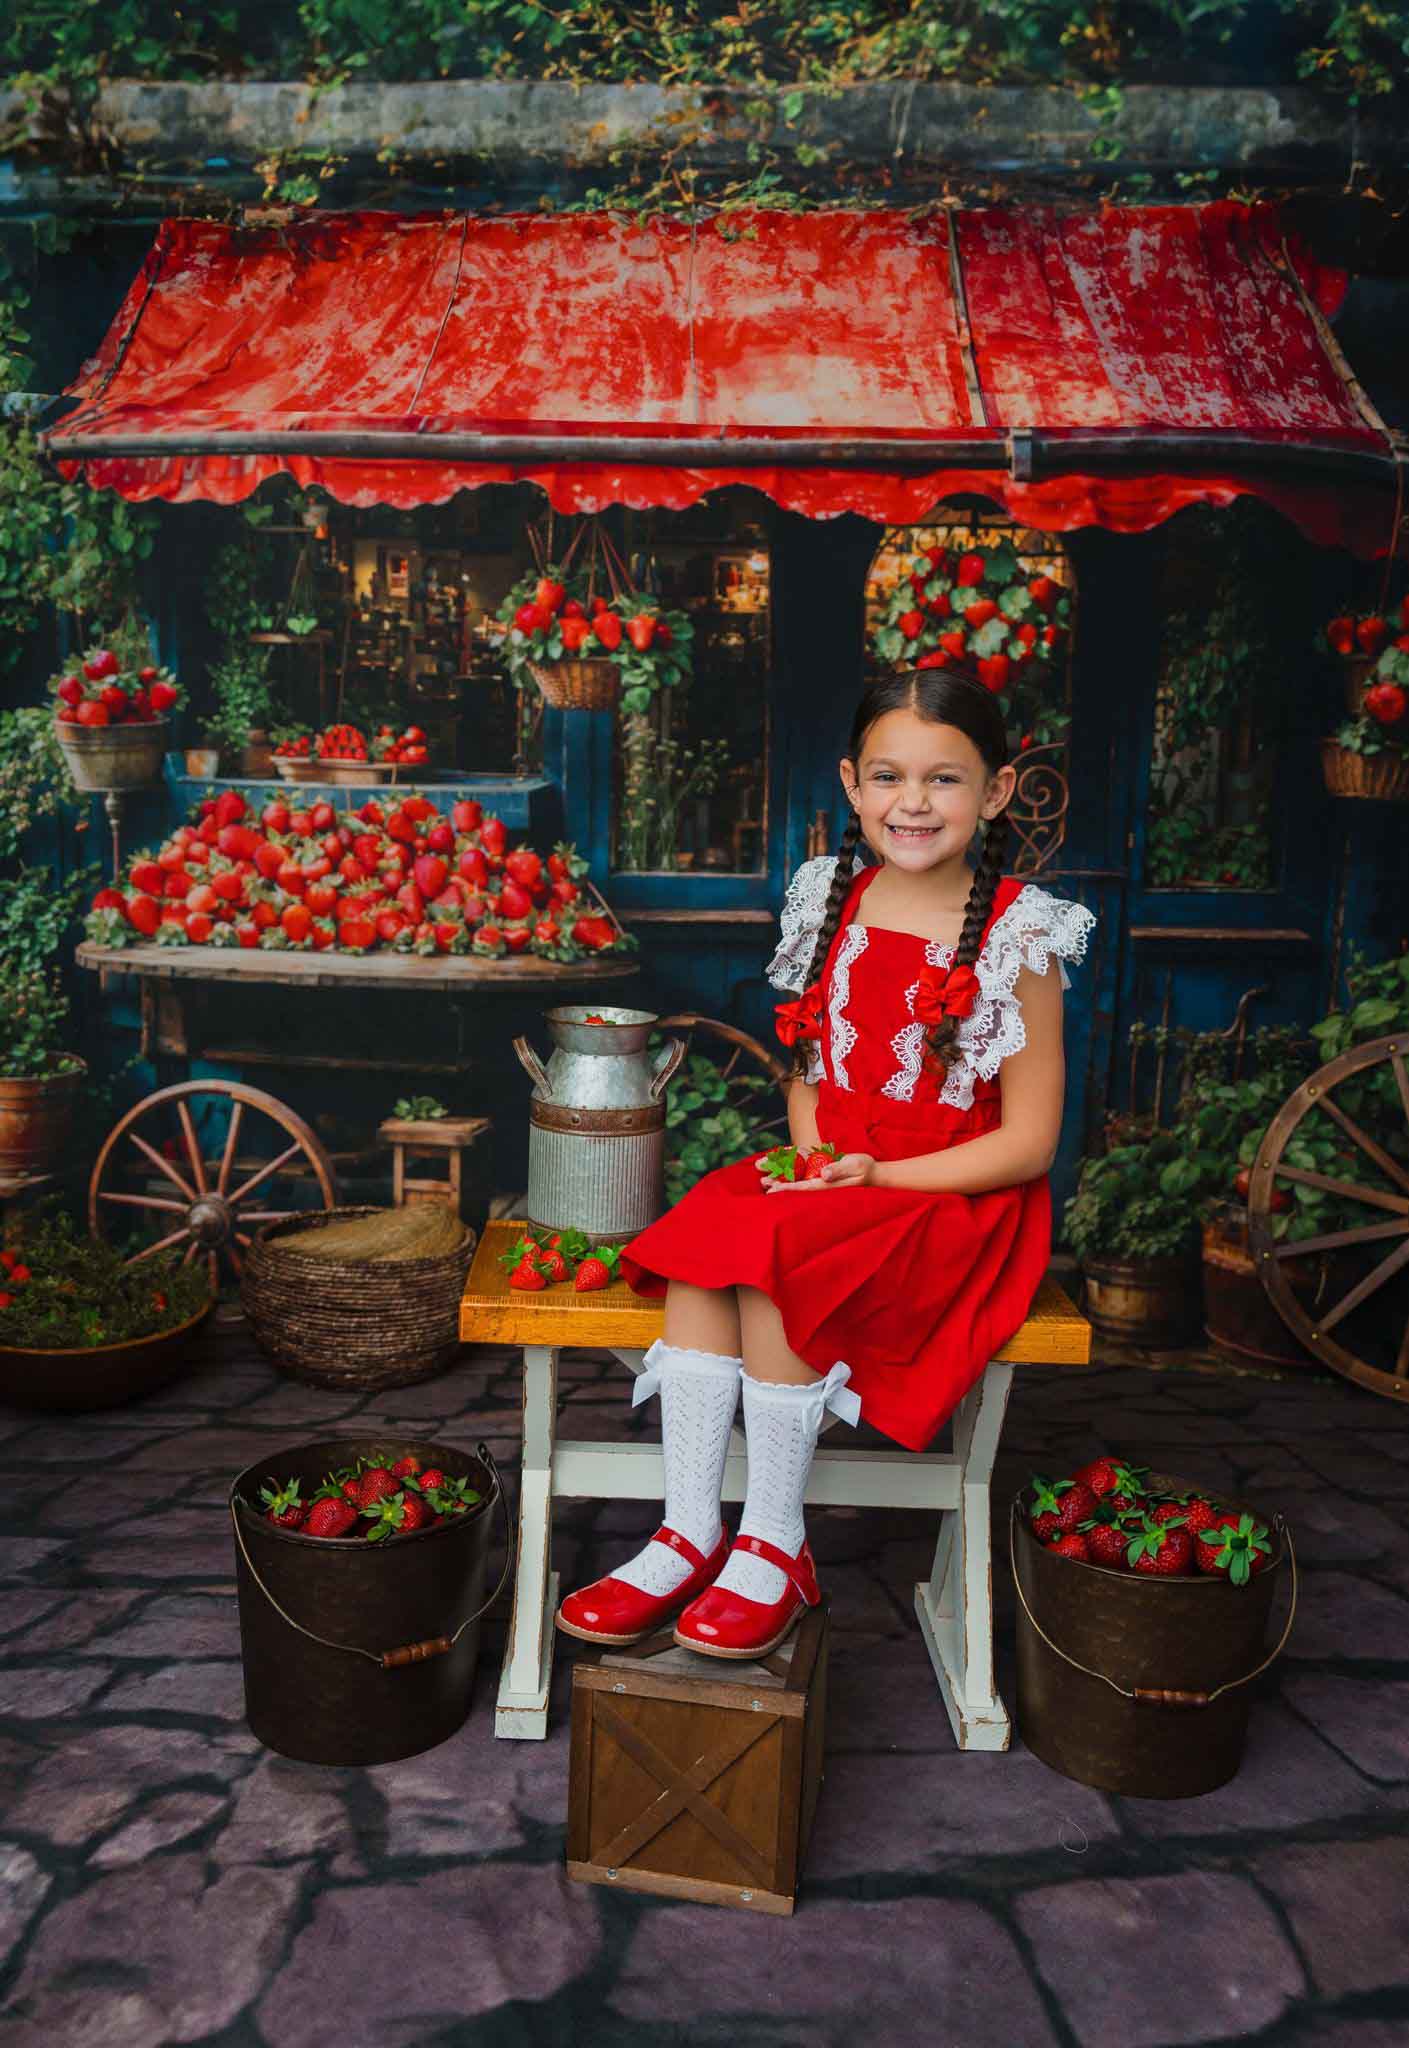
927 1035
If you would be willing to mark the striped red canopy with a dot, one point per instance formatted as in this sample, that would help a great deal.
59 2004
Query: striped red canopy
1101 368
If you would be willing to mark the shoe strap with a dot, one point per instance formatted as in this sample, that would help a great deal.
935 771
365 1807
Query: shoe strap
797 1570
673 1540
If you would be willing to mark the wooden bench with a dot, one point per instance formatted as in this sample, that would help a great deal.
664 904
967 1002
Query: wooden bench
954 1605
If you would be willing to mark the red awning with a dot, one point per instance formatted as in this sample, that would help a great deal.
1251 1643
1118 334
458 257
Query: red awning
1099 368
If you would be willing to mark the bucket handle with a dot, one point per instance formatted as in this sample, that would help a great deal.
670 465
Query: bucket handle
533 1067
406 1653
667 1060
1156 1696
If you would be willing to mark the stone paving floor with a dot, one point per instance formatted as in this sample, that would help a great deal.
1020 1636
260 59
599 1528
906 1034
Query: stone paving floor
164 1879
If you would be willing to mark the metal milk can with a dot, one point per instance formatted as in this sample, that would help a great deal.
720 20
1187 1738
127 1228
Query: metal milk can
596 1140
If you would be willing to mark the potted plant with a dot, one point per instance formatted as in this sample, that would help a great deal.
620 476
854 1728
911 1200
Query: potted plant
1133 1223
111 708
585 635
1368 755
39 1076
81 1329
244 710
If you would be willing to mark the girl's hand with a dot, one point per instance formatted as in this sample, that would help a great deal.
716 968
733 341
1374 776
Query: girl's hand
852 1170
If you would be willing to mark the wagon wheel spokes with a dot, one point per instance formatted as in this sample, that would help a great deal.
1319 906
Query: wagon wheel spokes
1373 1350
213 1221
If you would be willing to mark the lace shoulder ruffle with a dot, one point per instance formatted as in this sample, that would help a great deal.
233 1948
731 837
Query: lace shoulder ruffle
1035 928
803 908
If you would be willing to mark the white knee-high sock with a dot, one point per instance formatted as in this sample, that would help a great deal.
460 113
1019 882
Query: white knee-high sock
782 1424
699 1392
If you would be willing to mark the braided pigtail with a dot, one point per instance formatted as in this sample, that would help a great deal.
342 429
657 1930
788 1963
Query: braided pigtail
831 918
941 1047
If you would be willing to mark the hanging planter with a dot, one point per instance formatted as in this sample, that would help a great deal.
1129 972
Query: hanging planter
585 635
1369 754
110 721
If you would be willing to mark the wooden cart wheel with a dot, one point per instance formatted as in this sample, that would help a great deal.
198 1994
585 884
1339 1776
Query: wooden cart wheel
1377 1354
744 1053
208 1206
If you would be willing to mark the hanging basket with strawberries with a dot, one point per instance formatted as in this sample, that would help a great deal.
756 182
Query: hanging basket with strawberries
584 634
1368 754
979 607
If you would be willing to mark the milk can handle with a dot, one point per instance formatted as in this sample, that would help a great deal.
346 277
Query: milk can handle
1158 1695
533 1067
667 1061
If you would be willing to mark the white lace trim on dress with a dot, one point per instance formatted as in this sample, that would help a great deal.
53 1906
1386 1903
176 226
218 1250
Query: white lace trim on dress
804 907
843 1031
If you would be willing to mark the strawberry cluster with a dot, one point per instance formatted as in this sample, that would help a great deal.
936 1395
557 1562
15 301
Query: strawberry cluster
546 1258
402 878
557 617
345 742
14 1275
791 1162
100 691
392 1500
1105 1514
979 607
1385 641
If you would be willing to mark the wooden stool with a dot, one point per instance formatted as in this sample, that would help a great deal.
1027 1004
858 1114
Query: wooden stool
954 1605
448 1137
694 1777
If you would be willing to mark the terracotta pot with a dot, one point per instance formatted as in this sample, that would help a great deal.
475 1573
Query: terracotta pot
257 756
34 1119
1146 1301
103 757
100 1375
1238 1316
1385 776
203 763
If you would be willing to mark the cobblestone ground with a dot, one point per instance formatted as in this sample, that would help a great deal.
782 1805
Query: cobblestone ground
164 1879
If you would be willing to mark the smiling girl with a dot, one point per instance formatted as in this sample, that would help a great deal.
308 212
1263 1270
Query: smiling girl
927 1034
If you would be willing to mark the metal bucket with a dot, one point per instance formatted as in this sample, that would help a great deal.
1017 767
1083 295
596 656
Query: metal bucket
1154 1302
596 1141
1139 1685
356 1652
103 757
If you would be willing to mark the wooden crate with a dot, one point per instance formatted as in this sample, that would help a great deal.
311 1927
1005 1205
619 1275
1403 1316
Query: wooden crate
696 1777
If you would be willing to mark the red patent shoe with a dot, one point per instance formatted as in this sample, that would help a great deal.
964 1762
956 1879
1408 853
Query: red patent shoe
610 1611
724 1624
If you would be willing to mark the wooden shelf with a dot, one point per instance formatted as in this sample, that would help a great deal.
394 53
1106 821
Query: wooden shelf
1204 934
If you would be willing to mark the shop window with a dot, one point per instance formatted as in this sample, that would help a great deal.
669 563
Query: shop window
692 772
1227 645
1036 696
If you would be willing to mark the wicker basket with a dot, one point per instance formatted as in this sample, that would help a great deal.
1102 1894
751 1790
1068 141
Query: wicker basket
1378 775
358 1323
580 685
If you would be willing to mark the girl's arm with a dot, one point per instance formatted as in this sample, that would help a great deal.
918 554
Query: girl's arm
802 1115
1033 1083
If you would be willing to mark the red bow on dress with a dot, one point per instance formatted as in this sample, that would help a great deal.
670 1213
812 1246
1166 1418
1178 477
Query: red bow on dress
802 1019
945 992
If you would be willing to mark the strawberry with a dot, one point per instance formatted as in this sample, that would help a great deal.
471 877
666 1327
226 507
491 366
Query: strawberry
431 1480
1386 702
1196 1513
1073 1544
432 872
1160 1550
144 915
641 631
351 1489
1044 593
330 1518
282 1505
548 595
576 633
1100 1475
598 1269
296 919
593 932
554 1266
972 568
162 696
70 690
1371 635
398 1514
993 672
99 665
526 1278
494 835
407 1467
606 628
1340 633
1046 1511
817 1162
954 642
1106 1544
466 815
1237 1545
377 1483
911 624
524 866
514 900
979 614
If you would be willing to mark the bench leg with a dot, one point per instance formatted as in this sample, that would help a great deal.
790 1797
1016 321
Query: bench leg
522 1707
955 1605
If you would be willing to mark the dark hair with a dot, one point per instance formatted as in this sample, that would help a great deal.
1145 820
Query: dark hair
948 696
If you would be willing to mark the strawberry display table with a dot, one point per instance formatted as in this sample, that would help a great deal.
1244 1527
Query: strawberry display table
954 1605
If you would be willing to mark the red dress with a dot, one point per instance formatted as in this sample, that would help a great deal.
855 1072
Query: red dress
914 1291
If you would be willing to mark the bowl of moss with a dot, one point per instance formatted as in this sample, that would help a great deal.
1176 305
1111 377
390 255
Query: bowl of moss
80 1328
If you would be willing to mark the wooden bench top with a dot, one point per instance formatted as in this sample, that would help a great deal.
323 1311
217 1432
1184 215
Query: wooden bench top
491 1312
